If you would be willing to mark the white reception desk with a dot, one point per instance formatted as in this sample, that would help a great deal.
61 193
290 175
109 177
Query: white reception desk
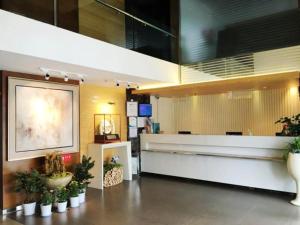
253 161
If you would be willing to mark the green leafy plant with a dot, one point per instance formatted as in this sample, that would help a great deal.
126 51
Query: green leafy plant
293 147
30 183
81 172
73 189
82 187
61 195
47 197
109 166
292 123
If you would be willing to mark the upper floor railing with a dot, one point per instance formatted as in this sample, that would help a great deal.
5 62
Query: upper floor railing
122 23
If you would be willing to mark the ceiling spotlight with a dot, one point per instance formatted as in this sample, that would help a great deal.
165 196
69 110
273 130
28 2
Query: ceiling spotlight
81 81
137 87
66 79
47 76
128 85
117 84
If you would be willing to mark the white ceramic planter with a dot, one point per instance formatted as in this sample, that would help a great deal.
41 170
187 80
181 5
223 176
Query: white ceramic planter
29 209
62 206
74 202
46 210
82 197
293 165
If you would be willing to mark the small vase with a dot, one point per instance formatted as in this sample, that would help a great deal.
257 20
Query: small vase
293 165
82 197
62 206
46 210
29 208
74 202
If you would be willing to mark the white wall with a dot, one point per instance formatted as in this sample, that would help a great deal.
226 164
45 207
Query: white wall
24 36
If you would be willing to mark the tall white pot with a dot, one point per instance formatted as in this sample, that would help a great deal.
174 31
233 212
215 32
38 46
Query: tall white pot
74 202
46 210
29 208
293 165
81 197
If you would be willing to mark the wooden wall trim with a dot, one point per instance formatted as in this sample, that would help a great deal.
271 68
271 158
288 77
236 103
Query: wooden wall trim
9 198
2 138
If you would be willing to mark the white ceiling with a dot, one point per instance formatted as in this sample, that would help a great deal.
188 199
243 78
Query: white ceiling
31 65
26 45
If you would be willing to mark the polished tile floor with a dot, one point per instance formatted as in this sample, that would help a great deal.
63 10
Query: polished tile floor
168 201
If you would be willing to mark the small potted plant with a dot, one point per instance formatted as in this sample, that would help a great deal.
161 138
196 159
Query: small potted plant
30 183
62 195
82 188
46 203
74 194
292 155
82 175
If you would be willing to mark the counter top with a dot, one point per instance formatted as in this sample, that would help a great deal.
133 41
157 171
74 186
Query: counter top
266 142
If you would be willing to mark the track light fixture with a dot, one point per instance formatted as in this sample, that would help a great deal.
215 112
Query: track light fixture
81 81
66 78
128 85
117 83
47 76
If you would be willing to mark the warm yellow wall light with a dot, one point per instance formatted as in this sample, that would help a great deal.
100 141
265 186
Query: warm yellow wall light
105 108
293 91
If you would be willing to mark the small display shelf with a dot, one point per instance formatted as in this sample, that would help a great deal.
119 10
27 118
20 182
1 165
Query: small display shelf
107 128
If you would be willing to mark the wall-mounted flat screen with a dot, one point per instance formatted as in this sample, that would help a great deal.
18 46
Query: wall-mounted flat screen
145 110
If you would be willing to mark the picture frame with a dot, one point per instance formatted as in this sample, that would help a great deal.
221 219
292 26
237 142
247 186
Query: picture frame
42 117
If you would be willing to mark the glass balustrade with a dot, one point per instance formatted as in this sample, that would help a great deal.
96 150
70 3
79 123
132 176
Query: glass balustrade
125 23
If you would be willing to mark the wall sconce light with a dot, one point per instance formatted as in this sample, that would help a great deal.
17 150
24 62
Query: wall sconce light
66 78
299 88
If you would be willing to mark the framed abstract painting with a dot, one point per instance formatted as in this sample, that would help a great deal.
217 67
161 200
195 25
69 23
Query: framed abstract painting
42 117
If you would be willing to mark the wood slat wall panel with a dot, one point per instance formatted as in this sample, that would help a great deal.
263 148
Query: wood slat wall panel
255 110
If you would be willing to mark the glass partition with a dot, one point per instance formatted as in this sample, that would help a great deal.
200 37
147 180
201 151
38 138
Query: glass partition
149 26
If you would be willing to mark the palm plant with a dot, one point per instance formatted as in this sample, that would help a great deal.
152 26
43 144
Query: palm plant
81 173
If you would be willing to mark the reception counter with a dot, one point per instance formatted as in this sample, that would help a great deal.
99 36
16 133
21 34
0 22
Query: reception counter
252 161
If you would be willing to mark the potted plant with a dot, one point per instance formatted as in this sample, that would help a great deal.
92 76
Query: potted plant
74 194
46 203
62 195
81 195
293 164
82 175
56 175
30 183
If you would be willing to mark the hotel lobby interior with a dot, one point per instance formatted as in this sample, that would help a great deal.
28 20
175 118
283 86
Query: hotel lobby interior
148 112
